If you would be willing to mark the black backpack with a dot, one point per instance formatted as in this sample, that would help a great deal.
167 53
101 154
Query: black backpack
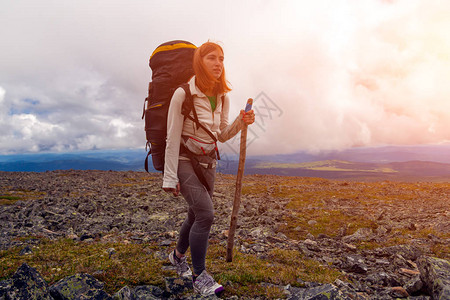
171 65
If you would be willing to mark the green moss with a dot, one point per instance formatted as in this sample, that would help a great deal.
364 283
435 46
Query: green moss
8 197
55 260
281 267
327 222
8 200
135 265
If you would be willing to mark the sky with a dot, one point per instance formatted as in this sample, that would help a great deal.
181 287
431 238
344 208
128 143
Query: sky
324 75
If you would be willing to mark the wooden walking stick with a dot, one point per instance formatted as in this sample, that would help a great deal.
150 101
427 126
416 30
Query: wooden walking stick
237 193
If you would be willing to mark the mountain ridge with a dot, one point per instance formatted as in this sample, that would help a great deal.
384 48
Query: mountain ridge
390 162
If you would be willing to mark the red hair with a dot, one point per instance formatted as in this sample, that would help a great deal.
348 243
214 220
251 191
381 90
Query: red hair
203 79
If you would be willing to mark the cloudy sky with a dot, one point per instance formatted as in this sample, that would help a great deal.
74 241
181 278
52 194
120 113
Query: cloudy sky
324 74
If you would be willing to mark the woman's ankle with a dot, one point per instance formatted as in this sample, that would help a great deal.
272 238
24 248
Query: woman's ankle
178 254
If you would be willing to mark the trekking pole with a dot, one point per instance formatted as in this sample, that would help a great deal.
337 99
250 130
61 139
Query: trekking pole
237 193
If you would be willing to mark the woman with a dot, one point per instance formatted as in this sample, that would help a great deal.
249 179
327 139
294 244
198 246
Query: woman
190 154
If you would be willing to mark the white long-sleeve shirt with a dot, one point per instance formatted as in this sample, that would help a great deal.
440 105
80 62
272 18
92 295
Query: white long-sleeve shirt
217 122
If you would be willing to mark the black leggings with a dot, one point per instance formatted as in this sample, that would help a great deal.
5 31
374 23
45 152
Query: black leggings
194 232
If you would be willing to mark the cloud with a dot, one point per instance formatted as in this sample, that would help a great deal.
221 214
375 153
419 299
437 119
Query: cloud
75 73
381 83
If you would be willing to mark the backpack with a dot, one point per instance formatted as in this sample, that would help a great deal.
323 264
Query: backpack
171 65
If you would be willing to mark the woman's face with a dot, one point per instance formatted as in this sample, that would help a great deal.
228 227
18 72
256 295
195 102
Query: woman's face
214 63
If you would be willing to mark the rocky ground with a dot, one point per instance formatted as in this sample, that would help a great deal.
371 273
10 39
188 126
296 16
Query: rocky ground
99 204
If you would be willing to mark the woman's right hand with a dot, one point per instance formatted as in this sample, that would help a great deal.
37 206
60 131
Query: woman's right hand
175 191
248 117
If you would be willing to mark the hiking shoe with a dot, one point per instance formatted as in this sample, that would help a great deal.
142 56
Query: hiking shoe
181 264
205 285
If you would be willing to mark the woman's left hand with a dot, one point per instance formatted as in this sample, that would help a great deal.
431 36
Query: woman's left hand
248 117
174 191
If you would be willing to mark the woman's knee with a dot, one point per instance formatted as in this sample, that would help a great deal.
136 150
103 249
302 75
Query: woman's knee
206 218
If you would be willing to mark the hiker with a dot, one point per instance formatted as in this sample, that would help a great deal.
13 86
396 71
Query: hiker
190 159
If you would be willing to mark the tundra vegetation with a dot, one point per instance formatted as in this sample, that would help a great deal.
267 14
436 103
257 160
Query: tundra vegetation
292 209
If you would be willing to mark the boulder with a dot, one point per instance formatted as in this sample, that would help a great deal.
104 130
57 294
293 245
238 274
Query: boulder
26 251
355 264
148 292
362 234
399 292
144 292
124 293
79 286
381 278
321 292
435 275
178 286
414 285
406 251
25 284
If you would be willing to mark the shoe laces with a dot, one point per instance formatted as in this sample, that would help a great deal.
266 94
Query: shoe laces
182 265
205 281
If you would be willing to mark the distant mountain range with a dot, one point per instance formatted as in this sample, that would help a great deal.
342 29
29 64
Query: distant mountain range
390 162
116 160
339 169
431 162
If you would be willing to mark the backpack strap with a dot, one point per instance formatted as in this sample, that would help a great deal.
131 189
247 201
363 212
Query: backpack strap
188 106
146 160
198 169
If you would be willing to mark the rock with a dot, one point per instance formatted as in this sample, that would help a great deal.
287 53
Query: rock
379 278
310 236
398 291
258 248
87 237
433 238
124 293
408 252
342 231
225 233
409 272
311 245
4 287
165 243
71 234
79 286
25 284
350 247
312 222
143 292
412 226
435 274
322 292
323 236
362 234
260 233
356 264
178 286
381 230
414 286
382 262
148 292
26 250
111 252
273 239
